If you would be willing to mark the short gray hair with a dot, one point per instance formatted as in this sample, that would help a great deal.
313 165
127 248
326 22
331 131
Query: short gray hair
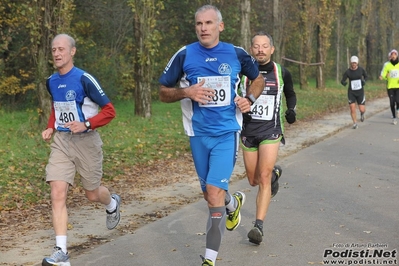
261 33
71 40
210 7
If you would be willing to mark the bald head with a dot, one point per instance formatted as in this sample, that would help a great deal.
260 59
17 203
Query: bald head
63 49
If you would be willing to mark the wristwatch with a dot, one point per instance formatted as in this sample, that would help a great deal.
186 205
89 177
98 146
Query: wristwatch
87 124
251 98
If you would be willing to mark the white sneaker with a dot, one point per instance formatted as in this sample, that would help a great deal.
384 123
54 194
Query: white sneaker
57 258
354 126
394 121
114 217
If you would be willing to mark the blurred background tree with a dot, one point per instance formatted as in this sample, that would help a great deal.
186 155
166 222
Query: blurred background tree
127 43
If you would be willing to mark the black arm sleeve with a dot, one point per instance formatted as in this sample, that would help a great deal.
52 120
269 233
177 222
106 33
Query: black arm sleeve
344 77
289 93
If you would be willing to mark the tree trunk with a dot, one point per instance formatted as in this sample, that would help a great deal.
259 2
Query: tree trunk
306 27
362 45
395 8
277 30
320 83
43 95
245 24
142 99
327 12
43 48
146 45
338 47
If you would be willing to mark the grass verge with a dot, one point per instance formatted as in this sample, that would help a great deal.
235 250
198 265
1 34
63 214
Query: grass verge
128 140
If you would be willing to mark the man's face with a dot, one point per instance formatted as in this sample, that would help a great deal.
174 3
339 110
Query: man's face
62 54
353 65
394 56
208 28
261 49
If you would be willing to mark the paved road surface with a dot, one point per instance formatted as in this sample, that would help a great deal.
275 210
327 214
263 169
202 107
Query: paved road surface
341 194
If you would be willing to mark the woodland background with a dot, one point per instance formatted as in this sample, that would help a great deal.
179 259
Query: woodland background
127 43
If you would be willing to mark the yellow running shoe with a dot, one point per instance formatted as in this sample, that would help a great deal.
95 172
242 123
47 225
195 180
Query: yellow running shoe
234 217
206 262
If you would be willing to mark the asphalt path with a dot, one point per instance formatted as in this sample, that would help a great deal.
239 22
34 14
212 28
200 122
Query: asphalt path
338 200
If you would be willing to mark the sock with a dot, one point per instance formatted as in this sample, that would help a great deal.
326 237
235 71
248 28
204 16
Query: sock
231 205
259 222
60 241
211 255
227 198
111 207
215 228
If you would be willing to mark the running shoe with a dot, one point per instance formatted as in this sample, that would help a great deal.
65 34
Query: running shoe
355 126
275 186
206 262
394 121
362 117
57 258
256 234
114 217
234 217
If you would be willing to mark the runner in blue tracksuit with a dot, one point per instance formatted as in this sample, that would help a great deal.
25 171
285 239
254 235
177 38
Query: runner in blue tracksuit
207 73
